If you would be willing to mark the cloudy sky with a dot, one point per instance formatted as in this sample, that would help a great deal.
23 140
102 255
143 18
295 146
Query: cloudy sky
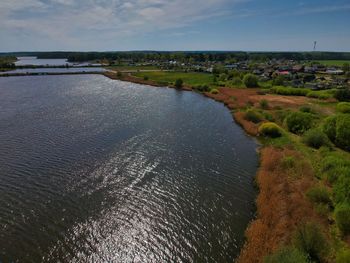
33 25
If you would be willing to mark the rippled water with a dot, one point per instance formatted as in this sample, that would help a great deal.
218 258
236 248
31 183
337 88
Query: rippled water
97 170
53 70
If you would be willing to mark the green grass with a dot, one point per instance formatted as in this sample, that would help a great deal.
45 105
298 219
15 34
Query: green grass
191 78
132 68
332 62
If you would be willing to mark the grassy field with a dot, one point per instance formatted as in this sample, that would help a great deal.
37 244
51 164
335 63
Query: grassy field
333 62
132 68
192 78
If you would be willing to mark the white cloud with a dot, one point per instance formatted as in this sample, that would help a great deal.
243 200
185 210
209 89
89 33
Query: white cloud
83 20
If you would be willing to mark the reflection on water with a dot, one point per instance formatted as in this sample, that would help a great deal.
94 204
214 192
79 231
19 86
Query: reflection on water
53 70
97 170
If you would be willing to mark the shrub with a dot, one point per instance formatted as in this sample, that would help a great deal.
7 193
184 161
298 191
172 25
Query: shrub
315 138
322 95
319 195
250 80
342 95
341 189
343 107
202 88
163 83
343 256
145 78
290 91
342 138
264 104
270 129
119 74
278 81
287 255
268 116
179 83
282 114
342 217
299 122
310 240
214 91
335 173
236 81
306 109
253 116
329 127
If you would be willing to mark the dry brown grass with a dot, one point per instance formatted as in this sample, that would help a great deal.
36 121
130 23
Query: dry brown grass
250 127
281 203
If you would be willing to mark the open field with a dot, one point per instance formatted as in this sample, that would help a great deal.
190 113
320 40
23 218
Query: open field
333 62
191 78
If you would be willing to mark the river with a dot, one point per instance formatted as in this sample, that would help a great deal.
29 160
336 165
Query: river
99 170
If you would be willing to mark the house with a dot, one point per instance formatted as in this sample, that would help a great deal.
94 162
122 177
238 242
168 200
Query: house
283 73
334 71
298 68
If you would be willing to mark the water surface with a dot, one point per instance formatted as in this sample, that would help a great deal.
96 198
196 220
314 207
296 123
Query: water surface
53 70
98 170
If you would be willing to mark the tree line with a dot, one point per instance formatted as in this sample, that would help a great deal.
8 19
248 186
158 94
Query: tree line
186 56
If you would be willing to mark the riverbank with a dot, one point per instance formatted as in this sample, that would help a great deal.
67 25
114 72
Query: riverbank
288 175
47 74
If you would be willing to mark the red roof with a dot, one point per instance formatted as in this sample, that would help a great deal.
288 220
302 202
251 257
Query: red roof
284 73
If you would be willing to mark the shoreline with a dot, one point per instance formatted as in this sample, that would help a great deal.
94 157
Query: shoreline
280 186
284 174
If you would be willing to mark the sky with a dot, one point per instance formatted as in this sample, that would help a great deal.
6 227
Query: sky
119 25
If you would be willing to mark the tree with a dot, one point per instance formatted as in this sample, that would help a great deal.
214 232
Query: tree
346 67
251 81
179 83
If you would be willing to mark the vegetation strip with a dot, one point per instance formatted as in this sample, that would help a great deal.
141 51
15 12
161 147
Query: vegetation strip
303 206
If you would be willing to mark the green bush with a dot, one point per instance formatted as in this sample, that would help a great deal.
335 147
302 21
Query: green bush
343 256
334 174
299 122
264 104
282 114
250 80
322 95
315 138
279 80
342 217
179 83
319 195
287 255
341 190
342 138
268 116
343 107
290 91
311 241
329 127
236 82
214 91
342 94
202 88
306 109
270 129
145 78
253 116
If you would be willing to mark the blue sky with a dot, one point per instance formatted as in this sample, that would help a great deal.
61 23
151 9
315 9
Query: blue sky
103 25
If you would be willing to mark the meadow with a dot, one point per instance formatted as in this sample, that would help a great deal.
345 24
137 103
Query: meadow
190 78
338 63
